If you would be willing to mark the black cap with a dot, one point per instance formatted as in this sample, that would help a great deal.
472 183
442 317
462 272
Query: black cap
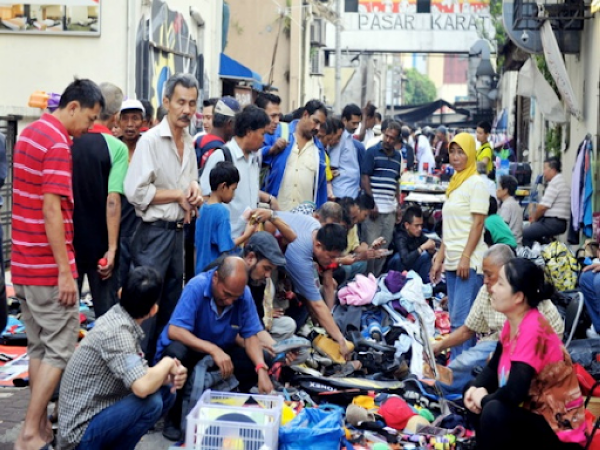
266 244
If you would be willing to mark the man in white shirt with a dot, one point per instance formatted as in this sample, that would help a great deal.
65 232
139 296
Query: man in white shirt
162 185
552 214
250 126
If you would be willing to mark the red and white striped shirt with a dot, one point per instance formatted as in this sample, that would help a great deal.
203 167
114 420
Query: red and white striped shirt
42 165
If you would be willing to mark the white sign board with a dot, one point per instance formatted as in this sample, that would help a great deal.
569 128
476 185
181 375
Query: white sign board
450 26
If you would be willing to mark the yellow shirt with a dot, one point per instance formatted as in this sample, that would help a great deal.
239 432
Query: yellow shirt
298 183
353 241
469 198
328 173
485 151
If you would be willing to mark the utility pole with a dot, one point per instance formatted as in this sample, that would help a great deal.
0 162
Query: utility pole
338 58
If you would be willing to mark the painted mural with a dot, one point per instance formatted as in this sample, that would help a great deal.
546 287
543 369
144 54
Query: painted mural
437 6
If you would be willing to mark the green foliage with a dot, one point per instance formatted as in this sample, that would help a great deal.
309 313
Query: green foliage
553 141
540 61
418 88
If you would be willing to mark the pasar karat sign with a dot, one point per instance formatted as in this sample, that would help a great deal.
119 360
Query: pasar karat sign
428 26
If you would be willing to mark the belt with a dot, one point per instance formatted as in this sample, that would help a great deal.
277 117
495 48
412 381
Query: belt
165 225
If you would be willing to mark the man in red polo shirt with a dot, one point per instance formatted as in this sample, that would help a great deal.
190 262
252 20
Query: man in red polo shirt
43 261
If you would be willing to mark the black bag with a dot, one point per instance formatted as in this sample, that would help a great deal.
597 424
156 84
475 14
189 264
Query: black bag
226 156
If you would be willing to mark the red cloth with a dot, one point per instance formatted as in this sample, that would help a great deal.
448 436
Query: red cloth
42 165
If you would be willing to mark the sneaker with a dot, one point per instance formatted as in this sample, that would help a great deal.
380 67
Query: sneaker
293 343
591 333
171 431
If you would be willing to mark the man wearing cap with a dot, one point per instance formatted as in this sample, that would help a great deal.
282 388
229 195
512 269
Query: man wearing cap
441 146
99 167
162 185
131 123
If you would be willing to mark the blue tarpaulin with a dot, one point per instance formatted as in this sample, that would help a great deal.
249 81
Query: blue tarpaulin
233 70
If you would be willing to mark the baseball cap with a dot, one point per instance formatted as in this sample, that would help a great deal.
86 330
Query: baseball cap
442 129
227 106
265 243
131 103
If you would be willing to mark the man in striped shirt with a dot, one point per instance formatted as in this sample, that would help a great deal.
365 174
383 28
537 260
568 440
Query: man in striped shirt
380 176
551 215
43 260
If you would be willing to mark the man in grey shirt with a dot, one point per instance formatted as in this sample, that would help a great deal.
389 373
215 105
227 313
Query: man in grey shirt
162 185
551 215
510 211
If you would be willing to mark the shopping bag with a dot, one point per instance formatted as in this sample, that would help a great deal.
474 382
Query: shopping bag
312 429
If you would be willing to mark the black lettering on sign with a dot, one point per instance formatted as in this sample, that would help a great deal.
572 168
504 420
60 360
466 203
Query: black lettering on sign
449 25
363 22
409 22
435 22
387 22
460 22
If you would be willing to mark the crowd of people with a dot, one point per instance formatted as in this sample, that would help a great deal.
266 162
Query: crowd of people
186 242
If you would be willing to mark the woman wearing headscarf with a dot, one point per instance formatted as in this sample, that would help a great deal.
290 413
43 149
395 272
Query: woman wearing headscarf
462 247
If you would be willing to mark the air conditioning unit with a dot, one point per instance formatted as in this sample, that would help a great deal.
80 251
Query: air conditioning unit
317 61
317 32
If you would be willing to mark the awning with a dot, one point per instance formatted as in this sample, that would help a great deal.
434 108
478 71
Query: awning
419 113
233 70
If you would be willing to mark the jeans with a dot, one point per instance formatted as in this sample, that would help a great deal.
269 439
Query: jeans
354 269
589 282
383 226
122 425
463 365
461 295
104 292
422 265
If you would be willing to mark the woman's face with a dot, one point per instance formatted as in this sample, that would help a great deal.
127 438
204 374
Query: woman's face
502 297
458 158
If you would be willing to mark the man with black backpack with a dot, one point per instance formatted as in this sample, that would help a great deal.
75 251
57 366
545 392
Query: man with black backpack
242 150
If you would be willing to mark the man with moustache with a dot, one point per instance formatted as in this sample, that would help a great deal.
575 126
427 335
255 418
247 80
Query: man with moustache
162 186
276 134
297 174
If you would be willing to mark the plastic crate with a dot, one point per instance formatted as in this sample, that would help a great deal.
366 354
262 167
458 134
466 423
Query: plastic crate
223 421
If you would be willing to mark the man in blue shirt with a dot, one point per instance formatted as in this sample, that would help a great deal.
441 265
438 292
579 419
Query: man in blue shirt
347 156
214 308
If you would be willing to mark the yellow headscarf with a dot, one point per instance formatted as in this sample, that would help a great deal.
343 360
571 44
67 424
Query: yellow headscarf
467 143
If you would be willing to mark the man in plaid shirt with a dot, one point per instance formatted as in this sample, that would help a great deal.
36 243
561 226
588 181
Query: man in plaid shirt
109 397
486 322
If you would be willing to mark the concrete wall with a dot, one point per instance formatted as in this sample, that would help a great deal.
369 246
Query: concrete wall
49 63
253 33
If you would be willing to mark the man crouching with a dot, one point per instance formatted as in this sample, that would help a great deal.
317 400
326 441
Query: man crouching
109 397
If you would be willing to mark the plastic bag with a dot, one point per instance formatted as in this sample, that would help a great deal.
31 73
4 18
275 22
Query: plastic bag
312 429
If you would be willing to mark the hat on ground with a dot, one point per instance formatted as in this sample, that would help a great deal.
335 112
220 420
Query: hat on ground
266 244
396 413
227 106
131 103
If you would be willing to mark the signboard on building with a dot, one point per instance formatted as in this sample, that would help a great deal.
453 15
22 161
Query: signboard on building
414 26
80 17
243 95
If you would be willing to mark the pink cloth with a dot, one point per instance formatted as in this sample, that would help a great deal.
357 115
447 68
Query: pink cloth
536 344
358 292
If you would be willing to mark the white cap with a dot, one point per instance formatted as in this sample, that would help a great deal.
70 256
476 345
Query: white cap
131 103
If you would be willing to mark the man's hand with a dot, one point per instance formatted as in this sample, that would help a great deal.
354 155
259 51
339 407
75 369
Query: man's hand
347 260
335 173
378 243
470 402
194 194
264 382
274 204
177 375
437 348
223 362
279 145
429 245
374 214
464 266
593 267
67 289
186 206
107 270
477 396
344 349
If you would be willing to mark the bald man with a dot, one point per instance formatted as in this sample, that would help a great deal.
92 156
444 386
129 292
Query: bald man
214 308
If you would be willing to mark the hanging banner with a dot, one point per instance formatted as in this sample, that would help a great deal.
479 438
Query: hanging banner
81 17
442 26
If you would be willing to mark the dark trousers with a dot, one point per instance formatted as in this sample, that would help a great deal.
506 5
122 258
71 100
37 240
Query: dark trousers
124 259
243 369
189 251
546 227
104 292
161 249
501 427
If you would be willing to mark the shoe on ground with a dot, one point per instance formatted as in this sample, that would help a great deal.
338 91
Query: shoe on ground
591 333
171 432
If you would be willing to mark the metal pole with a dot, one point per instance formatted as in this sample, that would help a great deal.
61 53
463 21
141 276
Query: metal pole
338 58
